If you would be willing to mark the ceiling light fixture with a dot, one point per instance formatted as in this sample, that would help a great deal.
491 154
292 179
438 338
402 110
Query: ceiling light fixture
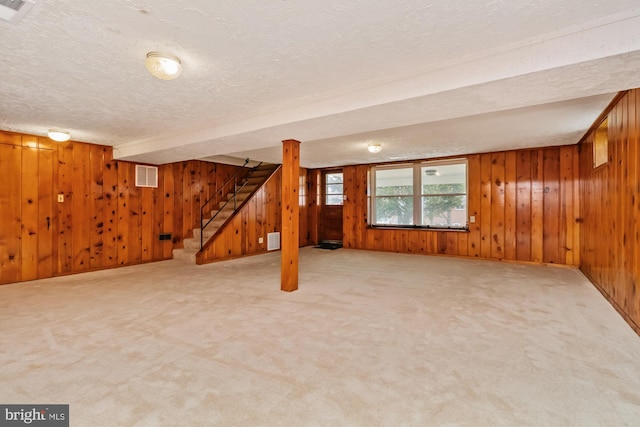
374 147
432 172
163 65
59 135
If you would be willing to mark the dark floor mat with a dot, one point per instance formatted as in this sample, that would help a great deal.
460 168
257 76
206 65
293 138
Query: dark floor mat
329 245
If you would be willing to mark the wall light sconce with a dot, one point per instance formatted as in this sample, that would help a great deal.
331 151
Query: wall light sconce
163 66
374 147
59 135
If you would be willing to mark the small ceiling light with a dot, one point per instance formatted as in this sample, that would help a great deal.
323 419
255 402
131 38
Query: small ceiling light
59 135
163 66
431 172
374 147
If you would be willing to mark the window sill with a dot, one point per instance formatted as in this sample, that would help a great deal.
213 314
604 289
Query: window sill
417 227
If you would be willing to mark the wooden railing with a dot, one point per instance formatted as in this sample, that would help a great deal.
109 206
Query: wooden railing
236 189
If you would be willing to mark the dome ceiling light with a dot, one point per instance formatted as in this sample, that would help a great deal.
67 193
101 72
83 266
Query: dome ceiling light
163 66
374 147
59 135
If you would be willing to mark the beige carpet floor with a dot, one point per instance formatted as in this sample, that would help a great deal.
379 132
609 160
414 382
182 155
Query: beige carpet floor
369 339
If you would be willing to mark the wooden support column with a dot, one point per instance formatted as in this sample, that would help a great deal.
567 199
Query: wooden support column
290 214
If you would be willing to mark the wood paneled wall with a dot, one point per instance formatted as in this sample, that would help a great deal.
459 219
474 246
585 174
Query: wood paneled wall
525 203
104 221
610 201
254 219
260 215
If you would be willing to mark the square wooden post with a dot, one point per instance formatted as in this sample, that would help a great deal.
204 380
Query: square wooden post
290 214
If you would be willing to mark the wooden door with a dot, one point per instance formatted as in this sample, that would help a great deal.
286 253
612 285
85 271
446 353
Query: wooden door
26 210
331 206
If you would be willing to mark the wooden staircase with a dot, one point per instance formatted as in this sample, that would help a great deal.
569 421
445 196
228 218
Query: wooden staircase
226 209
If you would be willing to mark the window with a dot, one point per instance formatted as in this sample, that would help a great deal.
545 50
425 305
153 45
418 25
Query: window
432 195
394 196
334 193
601 145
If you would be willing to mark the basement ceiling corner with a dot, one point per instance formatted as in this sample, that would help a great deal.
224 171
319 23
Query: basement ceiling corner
424 79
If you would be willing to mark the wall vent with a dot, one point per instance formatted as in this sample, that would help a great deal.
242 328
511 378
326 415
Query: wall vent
273 241
14 10
146 176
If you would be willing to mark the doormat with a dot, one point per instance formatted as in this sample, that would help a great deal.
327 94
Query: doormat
329 245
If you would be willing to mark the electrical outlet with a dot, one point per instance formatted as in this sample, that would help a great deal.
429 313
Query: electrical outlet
60 198
260 240
472 219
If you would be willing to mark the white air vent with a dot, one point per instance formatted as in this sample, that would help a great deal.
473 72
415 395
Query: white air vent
14 10
146 176
273 241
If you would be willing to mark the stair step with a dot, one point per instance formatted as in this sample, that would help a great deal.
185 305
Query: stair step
229 203
222 214
239 196
255 181
192 243
260 173
208 232
185 255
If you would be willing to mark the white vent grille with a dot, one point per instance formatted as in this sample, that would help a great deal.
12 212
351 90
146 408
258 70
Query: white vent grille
146 176
14 10
273 241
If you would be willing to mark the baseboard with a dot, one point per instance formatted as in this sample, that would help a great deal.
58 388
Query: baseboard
615 305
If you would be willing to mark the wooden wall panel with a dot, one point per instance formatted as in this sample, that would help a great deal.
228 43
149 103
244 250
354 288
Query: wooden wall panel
96 205
551 205
497 204
303 194
510 206
10 209
523 204
110 223
29 213
168 208
134 208
473 206
104 220
237 238
45 213
610 204
313 209
64 254
506 195
537 205
485 205
80 207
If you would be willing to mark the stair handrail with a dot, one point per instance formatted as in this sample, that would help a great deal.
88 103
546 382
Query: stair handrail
236 190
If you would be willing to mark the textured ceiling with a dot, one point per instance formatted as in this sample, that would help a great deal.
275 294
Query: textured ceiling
424 78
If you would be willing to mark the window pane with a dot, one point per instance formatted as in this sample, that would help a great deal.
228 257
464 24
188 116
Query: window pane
394 182
444 179
444 211
394 210
334 200
334 188
601 145
334 178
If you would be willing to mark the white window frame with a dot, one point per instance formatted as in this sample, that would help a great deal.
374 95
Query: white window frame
417 192
326 185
